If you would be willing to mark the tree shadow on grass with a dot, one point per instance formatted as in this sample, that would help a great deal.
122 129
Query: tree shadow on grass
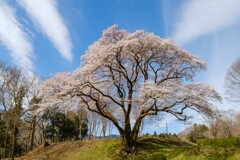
168 148
173 149
154 143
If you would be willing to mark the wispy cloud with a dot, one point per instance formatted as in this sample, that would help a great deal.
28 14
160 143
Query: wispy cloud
202 17
46 16
14 38
216 23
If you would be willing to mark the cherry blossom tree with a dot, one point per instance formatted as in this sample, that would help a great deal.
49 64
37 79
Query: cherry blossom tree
123 71
51 90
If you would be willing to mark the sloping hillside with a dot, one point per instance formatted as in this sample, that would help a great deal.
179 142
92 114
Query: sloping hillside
74 150
147 148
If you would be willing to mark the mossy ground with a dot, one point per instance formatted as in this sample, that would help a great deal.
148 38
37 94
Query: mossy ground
147 149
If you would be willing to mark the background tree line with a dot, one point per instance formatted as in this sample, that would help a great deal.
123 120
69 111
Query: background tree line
225 124
22 128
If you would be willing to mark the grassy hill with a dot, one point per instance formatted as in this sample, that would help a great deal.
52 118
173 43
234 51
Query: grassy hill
147 149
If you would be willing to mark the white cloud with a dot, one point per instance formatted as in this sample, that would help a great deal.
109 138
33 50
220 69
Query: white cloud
202 17
218 21
223 51
14 38
46 16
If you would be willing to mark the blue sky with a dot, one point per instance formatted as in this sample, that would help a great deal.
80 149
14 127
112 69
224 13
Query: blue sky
49 36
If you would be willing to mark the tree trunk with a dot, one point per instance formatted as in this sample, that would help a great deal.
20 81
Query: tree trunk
13 141
129 137
127 143
5 143
32 133
44 143
142 127
104 127
80 125
214 133
109 129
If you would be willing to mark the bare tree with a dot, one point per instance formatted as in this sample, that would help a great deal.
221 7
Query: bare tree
122 71
31 118
232 82
104 126
94 122
215 123
110 128
14 86
237 125
82 118
227 123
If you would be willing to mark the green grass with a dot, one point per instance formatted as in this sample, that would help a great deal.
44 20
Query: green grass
101 149
224 142
147 149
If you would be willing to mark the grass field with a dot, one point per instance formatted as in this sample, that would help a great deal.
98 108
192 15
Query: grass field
147 149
